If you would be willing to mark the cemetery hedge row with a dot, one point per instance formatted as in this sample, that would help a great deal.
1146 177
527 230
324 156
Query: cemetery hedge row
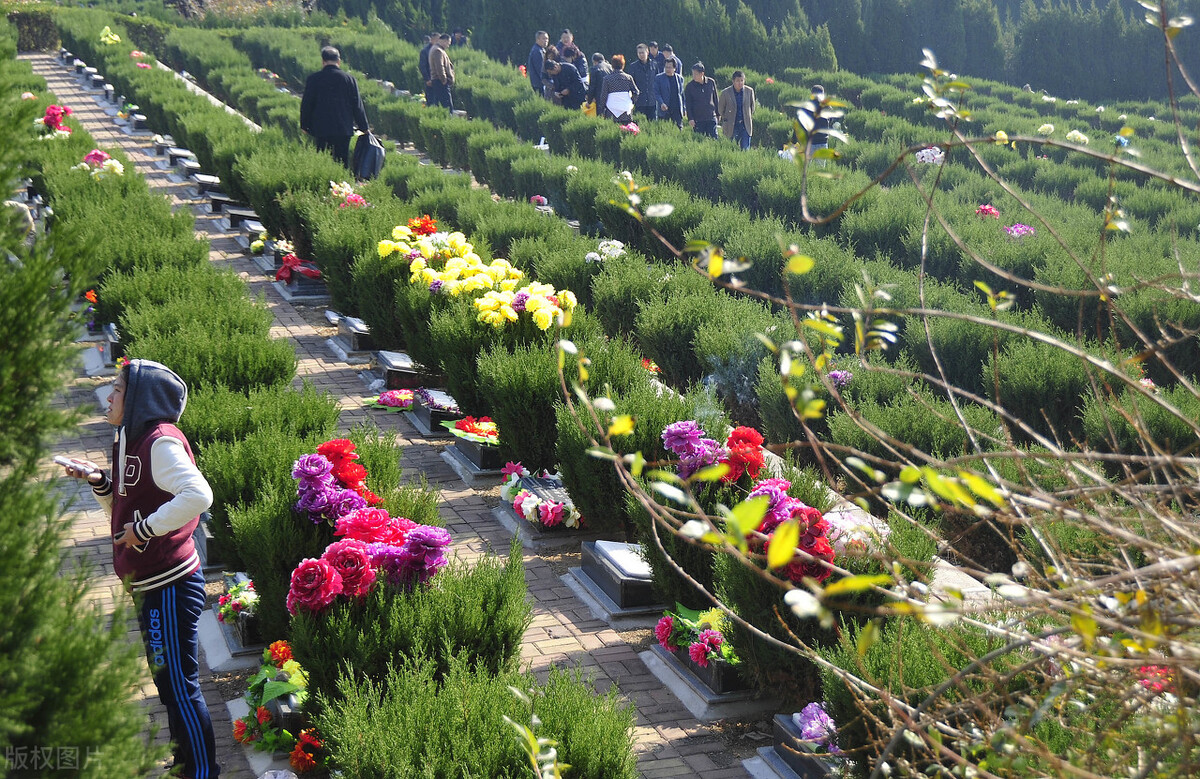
635 299
246 451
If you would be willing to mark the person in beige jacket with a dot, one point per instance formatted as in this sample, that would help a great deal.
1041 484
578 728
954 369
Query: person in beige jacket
735 110
441 73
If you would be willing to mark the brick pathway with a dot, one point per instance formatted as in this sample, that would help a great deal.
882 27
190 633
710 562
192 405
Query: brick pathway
669 741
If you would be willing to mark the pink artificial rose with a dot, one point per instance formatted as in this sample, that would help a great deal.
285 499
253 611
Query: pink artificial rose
517 501
663 630
699 654
350 559
367 525
236 606
96 158
315 583
551 514
399 528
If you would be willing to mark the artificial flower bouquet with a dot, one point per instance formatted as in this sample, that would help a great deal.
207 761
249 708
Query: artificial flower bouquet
293 265
742 451
330 484
606 250
50 125
701 633
100 165
375 549
446 263
278 676
239 599
392 400
531 508
438 401
818 731
343 194
482 430
538 303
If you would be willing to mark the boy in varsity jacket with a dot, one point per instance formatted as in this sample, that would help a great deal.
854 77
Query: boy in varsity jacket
155 499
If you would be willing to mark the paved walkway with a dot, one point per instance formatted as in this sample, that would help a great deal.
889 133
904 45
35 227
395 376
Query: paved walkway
669 741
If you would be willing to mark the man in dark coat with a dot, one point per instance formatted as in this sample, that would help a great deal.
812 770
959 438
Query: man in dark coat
643 70
441 73
331 108
568 87
700 102
423 63
536 62
600 69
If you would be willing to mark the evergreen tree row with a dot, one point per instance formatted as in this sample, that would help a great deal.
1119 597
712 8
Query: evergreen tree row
1087 49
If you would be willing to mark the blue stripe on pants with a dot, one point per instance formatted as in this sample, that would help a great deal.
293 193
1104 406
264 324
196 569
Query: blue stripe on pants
168 617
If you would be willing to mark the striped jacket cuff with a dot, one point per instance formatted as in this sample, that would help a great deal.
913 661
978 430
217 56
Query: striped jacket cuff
141 529
104 488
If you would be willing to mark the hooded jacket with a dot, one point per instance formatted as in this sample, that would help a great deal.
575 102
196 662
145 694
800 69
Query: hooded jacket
157 485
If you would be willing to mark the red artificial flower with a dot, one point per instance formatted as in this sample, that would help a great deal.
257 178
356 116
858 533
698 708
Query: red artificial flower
315 584
239 732
90 296
350 559
745 453
426 225
301 760
337 450
281 652
663 631
263 715
349 472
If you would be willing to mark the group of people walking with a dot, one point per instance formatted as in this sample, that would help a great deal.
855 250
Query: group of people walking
653 86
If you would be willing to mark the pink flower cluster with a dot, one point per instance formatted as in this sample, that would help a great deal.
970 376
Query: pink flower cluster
1019 230
54 118
354 200
814 530
96 157
706 646
987 210
374 544
663 631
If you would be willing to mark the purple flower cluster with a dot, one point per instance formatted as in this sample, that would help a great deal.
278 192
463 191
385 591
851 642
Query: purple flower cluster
1019 230
840 379
318 492
519 300
436 285
687 442
422 555
817 726
779 506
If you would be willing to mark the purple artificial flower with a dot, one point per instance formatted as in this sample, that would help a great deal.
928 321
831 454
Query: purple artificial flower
423 553
518 301
708 453
817 726
390 560
840 379
414 254
436 285
779 506
314 500
342 502
312 467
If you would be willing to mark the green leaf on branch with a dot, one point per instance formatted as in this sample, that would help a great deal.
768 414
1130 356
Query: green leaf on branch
748 514
853 584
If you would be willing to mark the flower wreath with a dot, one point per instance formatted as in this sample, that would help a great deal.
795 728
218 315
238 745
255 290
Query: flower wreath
530 507
482 430
392 400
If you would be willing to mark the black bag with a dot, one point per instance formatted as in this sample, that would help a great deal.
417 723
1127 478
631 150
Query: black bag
368 157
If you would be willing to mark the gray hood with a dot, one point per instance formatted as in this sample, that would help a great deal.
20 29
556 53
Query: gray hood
153 393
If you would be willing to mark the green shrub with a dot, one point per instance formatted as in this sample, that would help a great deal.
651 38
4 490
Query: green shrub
477 613
220 317
925 422
220 414
666 330
1107 423
558 259
242 470
370 725
340 235
275 169
204 359
621 287
523 388
909 659
374 287
1041 385
154 287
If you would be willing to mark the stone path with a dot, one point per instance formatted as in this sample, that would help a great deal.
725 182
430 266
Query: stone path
669 741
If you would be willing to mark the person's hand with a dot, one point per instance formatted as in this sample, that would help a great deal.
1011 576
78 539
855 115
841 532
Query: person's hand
85 469
428 83
662 106
126 537
691 122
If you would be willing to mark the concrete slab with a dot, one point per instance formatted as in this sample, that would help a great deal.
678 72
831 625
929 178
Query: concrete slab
703 703
604 608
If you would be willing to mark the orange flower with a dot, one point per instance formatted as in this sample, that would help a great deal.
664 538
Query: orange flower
281 652
263 715
301 760
239 731
90 295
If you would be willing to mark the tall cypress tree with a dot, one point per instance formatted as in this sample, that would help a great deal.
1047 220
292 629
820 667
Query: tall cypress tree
68 673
